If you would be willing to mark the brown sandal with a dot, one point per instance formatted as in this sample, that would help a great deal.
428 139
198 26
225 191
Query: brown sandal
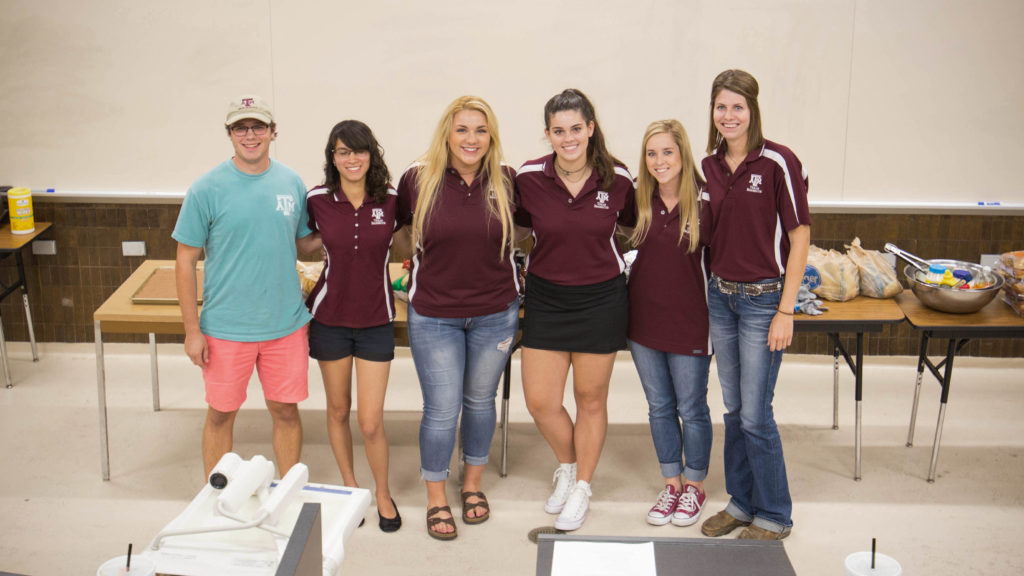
480 503
434 521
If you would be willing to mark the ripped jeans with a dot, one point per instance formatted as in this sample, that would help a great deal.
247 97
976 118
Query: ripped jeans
459 362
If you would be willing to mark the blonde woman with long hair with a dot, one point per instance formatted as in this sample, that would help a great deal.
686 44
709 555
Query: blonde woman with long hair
668 319
463 298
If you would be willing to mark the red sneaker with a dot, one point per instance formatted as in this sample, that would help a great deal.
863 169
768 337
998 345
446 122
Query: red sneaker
690 504
661 513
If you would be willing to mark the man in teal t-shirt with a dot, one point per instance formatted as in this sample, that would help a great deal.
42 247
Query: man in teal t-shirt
248 214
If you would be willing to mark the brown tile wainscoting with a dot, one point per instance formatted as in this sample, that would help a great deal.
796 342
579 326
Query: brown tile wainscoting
66 288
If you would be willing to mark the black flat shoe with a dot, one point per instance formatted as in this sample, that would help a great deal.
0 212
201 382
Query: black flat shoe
390 524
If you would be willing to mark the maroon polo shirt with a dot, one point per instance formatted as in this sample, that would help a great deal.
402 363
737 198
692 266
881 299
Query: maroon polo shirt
668 303
458 268
574 238
752 210
355 288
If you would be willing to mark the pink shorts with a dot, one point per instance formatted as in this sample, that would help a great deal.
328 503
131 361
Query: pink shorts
282 364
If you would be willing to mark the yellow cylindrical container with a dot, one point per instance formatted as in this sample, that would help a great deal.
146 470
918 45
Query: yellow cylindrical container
19 205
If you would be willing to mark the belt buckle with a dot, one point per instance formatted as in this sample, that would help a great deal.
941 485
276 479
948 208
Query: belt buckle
753 289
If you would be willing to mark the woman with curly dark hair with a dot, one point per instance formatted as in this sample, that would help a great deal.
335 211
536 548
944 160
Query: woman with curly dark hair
352 303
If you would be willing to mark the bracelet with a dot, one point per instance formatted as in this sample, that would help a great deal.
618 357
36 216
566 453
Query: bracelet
779 310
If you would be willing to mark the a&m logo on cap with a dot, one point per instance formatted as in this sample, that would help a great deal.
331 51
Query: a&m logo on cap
248 102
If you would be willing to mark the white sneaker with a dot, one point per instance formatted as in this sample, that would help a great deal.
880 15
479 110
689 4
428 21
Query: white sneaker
563 481
576 507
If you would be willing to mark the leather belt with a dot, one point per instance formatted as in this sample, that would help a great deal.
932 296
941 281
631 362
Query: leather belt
726 287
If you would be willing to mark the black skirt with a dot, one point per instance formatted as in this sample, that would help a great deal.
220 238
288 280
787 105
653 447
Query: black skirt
591 319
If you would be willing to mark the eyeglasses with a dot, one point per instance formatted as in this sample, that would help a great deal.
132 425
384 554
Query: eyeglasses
345 153
257 129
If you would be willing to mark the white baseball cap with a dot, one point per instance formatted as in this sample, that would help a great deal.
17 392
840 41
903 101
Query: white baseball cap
249 106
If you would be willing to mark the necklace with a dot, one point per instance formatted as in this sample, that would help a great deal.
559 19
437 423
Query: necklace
570 172
734 160
567 173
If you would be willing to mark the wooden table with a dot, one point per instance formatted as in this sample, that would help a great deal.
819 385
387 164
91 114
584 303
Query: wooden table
859 316
996 320
120 315
11 243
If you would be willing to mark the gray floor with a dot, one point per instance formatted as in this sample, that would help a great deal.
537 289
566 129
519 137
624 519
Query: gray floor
58 517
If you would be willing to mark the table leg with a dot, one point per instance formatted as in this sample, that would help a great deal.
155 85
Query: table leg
859 377
101 391
28 310
917 388
505 390
835 387
946 381
3 357
31 330
154 373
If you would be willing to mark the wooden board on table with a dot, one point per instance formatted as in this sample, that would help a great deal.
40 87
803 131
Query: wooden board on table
159 288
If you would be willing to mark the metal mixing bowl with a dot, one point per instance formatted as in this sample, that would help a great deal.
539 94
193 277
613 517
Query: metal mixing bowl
954 300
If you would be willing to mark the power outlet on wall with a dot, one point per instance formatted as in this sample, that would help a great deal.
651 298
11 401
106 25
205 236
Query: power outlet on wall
44 247
133 248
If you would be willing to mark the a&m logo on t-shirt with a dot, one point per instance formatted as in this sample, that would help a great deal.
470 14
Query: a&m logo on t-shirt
285 204
377 215
602 200
755 183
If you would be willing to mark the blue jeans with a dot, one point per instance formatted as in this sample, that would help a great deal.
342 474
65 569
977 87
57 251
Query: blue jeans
459 362
755 471
676 387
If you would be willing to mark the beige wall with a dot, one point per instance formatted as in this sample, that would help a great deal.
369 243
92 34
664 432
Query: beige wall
883 100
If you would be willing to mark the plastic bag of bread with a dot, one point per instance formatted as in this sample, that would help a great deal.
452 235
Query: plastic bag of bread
831 275
877 278
1011 266
1013 299
309 273
1014 261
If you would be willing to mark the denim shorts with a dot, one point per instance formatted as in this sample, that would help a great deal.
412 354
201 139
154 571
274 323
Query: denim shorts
327 343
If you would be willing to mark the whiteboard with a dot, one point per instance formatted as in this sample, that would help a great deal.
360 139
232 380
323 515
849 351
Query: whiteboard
911 101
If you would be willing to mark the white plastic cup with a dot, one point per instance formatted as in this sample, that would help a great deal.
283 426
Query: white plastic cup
141 566
859 564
